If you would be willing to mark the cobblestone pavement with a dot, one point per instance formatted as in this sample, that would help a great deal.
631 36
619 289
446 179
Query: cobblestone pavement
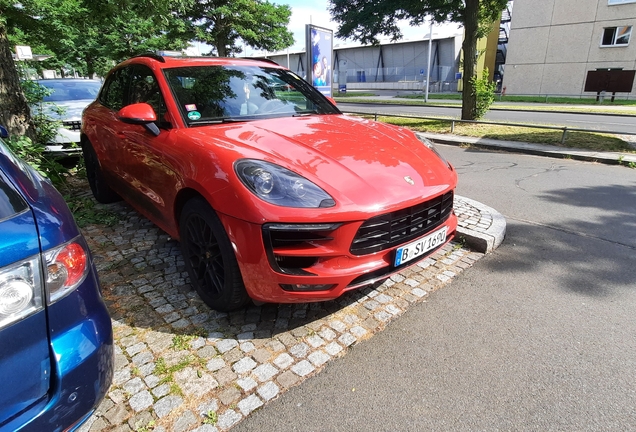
180 366
470 216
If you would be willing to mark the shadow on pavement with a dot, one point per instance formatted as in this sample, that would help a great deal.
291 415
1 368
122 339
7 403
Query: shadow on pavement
567 260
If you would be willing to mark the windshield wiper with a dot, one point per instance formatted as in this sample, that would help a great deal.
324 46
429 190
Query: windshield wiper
217 121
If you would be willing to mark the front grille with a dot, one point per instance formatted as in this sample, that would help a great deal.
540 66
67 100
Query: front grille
389 230
73 125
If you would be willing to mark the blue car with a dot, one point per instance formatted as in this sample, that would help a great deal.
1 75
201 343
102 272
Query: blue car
56 337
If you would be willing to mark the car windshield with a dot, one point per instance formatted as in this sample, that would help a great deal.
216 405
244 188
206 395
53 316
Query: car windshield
214 94
62 91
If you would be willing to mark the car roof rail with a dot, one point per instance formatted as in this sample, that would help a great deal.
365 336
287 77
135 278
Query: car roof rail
152 56
269 61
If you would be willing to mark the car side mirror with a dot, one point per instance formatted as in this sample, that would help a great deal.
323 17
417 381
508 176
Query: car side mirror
4 133
332 100
140 114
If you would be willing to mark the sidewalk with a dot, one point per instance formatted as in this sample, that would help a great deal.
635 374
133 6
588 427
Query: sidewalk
395 97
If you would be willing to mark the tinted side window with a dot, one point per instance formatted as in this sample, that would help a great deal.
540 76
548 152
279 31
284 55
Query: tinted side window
116 89
144 88
10 202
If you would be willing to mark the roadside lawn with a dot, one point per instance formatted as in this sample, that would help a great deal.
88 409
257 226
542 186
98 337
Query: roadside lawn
624 107
579 140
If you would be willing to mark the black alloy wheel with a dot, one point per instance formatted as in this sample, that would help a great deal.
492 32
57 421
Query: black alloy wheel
209 257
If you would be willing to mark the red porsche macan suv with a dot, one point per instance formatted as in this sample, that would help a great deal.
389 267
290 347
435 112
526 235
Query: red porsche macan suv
274 194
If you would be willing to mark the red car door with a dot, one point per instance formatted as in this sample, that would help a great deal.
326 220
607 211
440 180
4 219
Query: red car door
143 158
103 127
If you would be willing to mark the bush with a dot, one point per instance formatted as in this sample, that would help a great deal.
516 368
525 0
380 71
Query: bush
484 93
35 155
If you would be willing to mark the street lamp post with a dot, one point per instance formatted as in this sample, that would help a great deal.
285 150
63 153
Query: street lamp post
428 65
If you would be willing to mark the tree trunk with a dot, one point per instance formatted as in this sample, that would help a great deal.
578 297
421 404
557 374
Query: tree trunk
221 37
15 114
221 49
90 67
469 46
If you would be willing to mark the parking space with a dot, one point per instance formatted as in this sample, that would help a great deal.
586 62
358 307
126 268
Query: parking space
181 366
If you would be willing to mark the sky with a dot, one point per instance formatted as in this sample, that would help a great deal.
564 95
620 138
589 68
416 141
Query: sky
315 12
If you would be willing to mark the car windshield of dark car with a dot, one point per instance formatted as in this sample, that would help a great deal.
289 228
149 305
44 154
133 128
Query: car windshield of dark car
62 91
211 94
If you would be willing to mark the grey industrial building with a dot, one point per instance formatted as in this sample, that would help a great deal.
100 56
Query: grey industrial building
554 43
390 65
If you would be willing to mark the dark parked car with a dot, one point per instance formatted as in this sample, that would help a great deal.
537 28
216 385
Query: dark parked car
56 356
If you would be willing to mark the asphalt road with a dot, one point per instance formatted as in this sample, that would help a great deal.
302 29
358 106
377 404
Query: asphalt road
538 335
620 124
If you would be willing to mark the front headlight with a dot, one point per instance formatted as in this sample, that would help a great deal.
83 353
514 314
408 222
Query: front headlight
280 186
431 146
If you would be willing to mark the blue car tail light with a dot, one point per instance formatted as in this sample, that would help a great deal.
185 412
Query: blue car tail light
66 268
21 284
20 291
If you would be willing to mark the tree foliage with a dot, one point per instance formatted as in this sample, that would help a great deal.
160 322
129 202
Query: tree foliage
224 24
92 36
364 20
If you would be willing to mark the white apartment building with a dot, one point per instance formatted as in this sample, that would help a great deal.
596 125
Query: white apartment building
554 43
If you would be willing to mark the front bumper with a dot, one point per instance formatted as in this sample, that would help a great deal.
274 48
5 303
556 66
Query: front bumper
66 142
329 263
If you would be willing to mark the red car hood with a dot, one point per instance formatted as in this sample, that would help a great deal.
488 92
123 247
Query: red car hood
358 162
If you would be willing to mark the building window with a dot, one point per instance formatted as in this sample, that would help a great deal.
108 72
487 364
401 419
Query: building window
616 36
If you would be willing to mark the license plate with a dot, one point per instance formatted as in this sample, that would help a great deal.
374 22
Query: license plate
420 247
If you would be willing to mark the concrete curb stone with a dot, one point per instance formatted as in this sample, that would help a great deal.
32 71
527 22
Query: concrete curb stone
483 227
609 158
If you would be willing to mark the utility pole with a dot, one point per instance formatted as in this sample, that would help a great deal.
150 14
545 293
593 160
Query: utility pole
428 66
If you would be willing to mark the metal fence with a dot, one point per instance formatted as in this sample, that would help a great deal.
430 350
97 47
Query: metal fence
546 97
442 77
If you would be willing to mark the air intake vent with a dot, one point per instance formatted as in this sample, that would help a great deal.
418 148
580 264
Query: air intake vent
73 125
291 247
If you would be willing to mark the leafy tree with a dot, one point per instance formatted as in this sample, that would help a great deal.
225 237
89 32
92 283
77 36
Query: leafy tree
259 24
92 36
14 109
363 20
49 28
85 34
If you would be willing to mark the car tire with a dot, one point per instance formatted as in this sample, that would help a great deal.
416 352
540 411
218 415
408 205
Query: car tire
101 191
209 258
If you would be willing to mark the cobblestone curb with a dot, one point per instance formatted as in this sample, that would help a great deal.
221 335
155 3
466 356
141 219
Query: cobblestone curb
482 227
180 366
